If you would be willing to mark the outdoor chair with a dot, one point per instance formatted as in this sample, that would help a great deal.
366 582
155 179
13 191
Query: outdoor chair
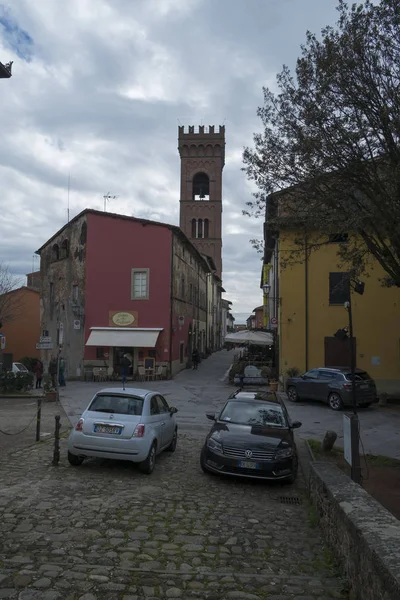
159 373
142 373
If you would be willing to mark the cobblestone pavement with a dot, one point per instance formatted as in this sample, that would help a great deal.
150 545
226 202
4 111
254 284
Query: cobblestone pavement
106 531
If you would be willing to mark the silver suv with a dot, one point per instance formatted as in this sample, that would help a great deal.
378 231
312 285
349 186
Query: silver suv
333 386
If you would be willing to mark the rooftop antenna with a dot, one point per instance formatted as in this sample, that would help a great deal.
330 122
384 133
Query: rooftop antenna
69 184
107 197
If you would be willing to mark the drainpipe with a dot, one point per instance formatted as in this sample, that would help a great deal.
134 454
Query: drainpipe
306 300
171 304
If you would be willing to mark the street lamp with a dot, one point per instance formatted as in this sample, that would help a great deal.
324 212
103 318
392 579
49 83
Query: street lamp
353 419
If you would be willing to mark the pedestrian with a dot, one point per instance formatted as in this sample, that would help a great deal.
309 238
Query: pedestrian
53 371
125 364
61 372
38 370
195 358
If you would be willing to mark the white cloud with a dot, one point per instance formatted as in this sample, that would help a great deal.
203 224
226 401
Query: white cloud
101 98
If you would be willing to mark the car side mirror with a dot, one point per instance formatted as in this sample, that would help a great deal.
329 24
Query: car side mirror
173 410
296 424
210 416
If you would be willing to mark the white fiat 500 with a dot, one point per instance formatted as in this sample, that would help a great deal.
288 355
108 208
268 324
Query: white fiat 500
124 424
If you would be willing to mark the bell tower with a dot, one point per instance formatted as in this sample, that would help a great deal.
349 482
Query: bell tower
202 161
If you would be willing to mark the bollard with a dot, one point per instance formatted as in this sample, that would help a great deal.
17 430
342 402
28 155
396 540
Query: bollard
56 454
38 418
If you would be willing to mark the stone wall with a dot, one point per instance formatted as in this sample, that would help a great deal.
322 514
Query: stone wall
363 535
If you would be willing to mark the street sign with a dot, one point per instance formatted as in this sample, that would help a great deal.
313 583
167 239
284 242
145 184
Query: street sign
44 346
45 339
274 321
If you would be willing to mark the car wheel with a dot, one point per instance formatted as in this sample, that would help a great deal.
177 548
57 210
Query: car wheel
292 394
74 460
172 446
147 466
335 401
203 463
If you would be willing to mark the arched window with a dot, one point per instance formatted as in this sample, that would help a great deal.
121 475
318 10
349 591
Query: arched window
200 228
65 249
194 228
201 187
55 252
206 228
83 233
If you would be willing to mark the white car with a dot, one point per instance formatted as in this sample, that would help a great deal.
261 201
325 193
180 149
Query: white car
19 368
124 424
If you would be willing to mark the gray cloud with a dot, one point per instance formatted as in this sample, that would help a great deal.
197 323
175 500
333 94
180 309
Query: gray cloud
107 84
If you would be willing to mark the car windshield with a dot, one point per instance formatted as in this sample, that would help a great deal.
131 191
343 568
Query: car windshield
20 367
254 413
363 376
112 403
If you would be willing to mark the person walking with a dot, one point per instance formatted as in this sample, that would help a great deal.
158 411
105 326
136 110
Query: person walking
125 364
61 372
53 371
195 358
38 370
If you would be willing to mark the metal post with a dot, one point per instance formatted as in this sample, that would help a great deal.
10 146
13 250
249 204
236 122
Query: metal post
56 454
355 447
38 418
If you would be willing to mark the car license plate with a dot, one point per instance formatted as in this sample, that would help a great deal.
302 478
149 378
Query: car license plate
246 464
107 429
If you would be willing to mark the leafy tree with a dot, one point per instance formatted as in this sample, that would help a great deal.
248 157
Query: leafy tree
330 140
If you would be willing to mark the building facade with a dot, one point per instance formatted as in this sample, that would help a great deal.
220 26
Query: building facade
307 299
114 285
202 161
22 329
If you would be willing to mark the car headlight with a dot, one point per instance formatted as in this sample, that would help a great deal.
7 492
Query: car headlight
284 453
214 445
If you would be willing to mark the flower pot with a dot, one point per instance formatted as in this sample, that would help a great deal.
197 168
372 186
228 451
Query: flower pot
273 386
50 396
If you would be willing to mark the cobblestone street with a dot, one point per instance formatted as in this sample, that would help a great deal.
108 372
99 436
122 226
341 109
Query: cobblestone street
105 531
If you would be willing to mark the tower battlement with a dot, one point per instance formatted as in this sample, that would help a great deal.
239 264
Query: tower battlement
206 131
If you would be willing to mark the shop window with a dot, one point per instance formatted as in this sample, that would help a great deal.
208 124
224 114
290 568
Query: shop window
100 353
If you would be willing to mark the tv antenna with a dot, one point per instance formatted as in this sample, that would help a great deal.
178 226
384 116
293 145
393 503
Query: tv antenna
107 197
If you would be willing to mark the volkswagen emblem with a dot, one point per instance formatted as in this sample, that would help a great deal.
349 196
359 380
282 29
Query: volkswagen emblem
248 454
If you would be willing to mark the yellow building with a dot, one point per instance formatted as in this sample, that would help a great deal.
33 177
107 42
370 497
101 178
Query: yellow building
311 309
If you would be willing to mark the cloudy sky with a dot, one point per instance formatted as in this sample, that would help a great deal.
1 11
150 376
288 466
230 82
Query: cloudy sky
98 90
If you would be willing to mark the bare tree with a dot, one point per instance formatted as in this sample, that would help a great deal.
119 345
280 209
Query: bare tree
331 140
9 305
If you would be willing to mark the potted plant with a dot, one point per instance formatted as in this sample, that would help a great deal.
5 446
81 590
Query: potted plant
50 393
293 372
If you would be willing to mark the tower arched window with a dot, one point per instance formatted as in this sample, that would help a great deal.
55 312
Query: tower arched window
206 228
201 187
194 228
200 232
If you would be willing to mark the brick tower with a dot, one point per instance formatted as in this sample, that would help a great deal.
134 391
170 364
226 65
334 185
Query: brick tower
202 160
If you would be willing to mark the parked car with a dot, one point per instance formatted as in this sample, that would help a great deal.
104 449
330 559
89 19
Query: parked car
332 386
19 368
252 437
124 424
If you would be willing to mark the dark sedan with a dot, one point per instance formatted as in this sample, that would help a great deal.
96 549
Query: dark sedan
332 386
252 437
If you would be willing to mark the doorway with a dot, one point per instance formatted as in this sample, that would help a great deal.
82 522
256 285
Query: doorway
118 355
337 352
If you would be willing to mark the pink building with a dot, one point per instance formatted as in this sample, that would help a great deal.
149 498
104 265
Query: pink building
113 285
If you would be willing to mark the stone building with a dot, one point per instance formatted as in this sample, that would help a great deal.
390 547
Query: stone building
114 285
